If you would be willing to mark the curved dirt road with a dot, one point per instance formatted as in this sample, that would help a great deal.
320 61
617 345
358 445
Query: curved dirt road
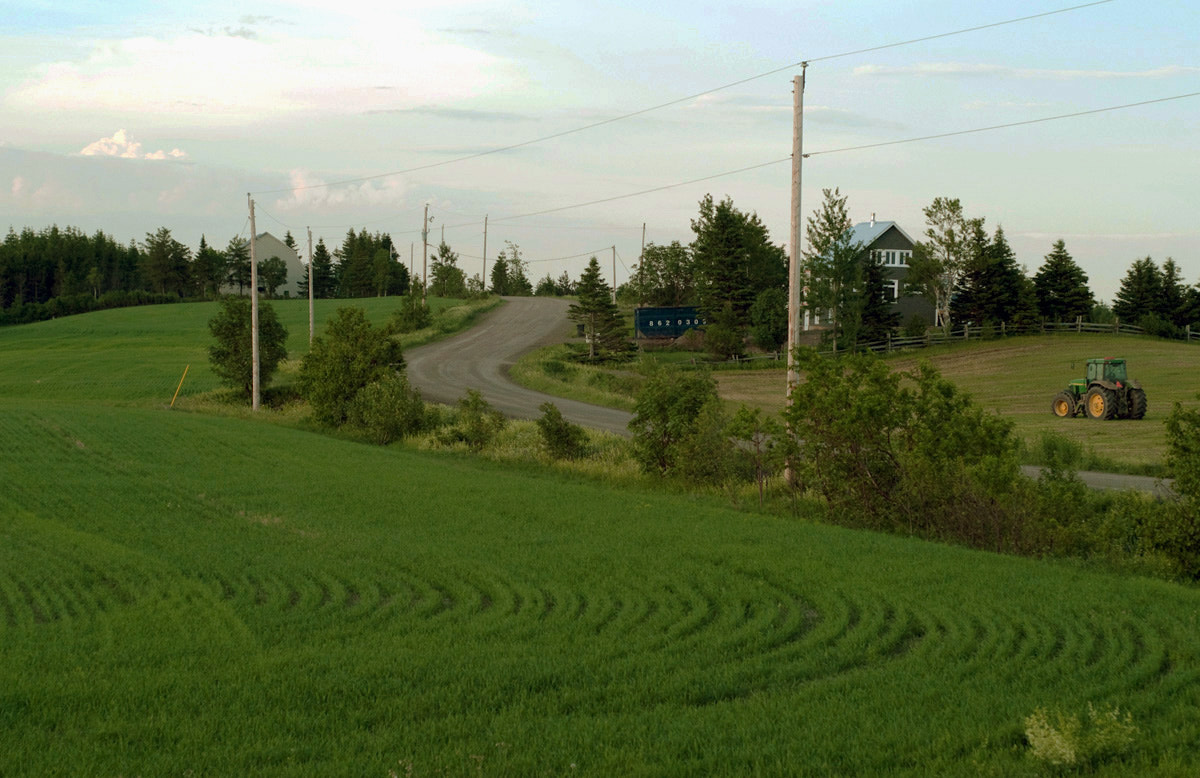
479 358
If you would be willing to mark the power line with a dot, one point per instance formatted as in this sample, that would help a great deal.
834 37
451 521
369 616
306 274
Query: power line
679 100
1001 126
848 148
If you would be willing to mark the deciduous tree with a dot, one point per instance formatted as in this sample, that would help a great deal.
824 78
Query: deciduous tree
232 357
350 354
833 269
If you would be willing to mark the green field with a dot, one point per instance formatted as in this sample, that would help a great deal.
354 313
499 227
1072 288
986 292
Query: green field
186 593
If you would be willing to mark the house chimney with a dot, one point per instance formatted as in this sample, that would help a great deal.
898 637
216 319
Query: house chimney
872 218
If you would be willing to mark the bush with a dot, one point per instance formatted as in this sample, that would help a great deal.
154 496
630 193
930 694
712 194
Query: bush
707 455
477 424
1064 740
916 326
347 357
665 414
388 409
561 438
232 357
412 315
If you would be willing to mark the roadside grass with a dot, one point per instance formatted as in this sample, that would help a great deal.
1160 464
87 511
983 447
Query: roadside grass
218 595
552 370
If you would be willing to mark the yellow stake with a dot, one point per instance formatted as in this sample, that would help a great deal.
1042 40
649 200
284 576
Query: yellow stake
185 369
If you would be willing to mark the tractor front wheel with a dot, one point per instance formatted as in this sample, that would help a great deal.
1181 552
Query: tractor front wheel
1100 403
1063 405
1137 403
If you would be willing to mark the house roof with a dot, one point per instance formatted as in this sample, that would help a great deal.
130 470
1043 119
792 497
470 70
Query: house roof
867 233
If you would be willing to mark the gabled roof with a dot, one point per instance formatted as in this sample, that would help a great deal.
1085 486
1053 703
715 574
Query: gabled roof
867 233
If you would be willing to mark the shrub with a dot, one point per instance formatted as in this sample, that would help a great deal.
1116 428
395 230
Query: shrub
561 438
665 414
707 455
347 357
231 356
916 326
477 423
412 315
388 409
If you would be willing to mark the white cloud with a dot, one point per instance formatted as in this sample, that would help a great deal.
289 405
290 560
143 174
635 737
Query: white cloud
955 69
239 79
310 191
121 145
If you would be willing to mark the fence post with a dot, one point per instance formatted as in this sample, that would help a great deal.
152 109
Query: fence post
1188 331
1117 324
1003 331
889 341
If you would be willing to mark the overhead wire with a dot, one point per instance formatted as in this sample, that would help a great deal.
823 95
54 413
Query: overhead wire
680 100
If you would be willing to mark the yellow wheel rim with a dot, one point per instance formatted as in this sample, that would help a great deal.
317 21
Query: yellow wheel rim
1060 408
1097 404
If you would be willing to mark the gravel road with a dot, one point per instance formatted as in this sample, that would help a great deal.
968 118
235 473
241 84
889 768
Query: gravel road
479 358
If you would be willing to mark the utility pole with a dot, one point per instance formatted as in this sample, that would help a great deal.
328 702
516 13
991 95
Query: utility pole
410 261
311 311
255 384
614 264
424 251
794 281
483 278
642 259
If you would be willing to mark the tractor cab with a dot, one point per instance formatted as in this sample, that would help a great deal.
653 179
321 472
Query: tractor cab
1107 369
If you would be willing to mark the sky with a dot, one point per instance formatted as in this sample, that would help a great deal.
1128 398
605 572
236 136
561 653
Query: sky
133 116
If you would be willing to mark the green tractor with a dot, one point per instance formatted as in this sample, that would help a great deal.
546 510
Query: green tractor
1106 393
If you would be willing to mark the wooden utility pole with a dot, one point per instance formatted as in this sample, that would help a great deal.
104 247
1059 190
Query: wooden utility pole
614 264
794 280
424 251
483 278
311 309
255 384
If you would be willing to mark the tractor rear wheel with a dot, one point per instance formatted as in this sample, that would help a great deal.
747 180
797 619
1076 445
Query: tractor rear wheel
1137 403
1063 405
1100 403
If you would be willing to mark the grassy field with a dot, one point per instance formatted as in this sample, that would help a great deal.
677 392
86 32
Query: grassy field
183 593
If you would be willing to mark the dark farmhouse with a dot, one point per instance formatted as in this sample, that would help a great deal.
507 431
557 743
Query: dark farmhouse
893 248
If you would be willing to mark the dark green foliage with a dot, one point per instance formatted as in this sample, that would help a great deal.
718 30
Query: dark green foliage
769 318
916 326
545 287
208 270
237 264
723 336
759 439
603 325
508 273
368 266
905 452
665 415
1141 291
733 260
664 276
1060 287
166 263
992 287
388 409
324 278
477 423
412 315
36 267
834 270
272 273
344 359
446 278
561 438
231 356
877 320
1183 450
708 455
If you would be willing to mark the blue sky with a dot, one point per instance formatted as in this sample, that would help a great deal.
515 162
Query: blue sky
127 117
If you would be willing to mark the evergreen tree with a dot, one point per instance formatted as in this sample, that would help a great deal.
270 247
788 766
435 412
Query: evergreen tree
834 269
208 269
166 263
1061 287
1172 304
603 326
992 287
878 320
324 278
733 260
446 278
237 264
1141 292
500 275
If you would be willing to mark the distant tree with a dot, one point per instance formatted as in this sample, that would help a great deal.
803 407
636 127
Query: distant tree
348 356
545 287
733 260
877 319
1061 287
208 269
500 275
1173 302
232 357
664 277
509 273
237 264
561 438
289 241
446 278
1141 292
165 262
324 278
938 260
833 268
564 286
603 326
769 318
992 287
272 274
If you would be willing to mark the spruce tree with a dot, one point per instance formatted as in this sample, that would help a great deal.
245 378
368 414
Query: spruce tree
1061 287
603 326
1141 292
